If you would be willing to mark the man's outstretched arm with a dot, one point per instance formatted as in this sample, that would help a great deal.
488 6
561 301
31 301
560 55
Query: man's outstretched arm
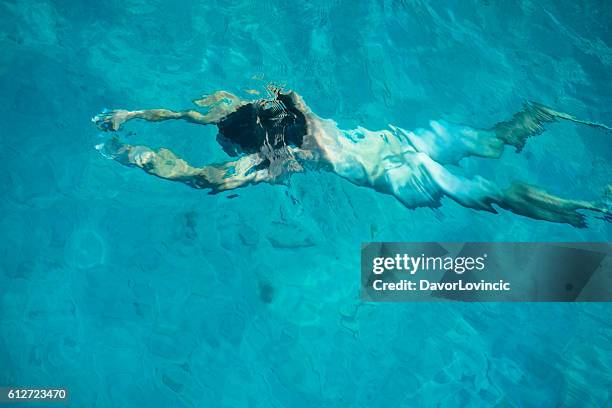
219 104
113 120
165 164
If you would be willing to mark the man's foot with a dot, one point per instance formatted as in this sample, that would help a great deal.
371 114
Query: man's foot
110 120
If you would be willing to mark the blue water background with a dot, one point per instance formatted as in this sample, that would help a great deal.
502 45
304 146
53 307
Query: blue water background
137 292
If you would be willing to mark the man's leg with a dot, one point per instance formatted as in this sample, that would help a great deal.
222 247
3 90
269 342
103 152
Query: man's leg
529 122
520 198
449 143
420 181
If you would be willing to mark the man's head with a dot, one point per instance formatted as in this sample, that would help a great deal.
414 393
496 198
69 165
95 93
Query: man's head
275 122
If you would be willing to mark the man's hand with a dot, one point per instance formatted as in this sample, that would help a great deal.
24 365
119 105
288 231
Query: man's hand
111 120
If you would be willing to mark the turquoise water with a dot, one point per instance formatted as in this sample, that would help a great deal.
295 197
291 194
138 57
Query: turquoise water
133 291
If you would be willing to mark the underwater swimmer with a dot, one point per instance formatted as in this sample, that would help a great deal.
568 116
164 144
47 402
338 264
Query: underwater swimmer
274 137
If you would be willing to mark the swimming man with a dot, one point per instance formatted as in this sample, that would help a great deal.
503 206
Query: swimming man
279 135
